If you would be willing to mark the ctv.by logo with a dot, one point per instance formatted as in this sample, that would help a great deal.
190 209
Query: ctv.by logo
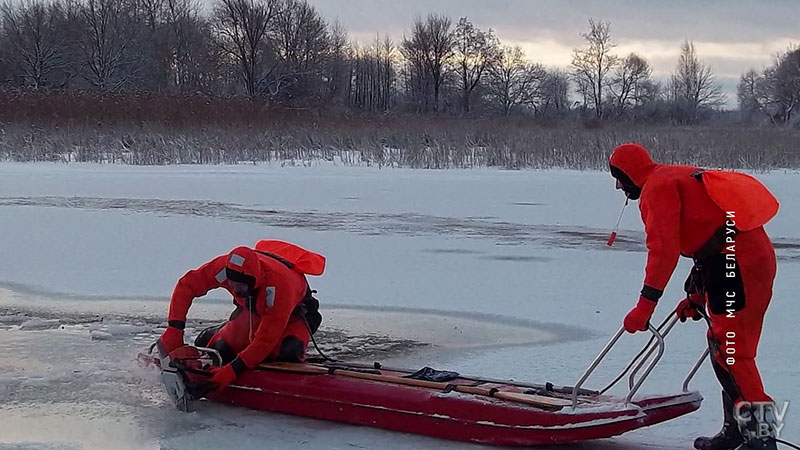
769 420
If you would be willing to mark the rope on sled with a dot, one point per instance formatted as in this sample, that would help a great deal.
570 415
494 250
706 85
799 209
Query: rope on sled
314 341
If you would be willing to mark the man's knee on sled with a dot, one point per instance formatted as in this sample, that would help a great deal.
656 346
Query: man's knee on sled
292 349
293 343
211 338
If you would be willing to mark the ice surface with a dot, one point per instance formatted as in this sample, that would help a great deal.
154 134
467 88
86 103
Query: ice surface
14 319
40 324
519 256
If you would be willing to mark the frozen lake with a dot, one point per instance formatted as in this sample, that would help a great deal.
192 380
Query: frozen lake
498 273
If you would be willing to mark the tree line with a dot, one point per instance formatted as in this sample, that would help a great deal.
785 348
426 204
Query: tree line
284 52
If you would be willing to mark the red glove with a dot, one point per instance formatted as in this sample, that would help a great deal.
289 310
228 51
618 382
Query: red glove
172 338
222 376
638 318
689 307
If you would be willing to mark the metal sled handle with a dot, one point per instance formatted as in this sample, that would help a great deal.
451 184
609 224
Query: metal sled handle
636 358
702 359
213 352
652 365
606 350
594 365
696 367
653 348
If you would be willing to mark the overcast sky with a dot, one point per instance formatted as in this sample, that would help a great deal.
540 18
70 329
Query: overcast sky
730 35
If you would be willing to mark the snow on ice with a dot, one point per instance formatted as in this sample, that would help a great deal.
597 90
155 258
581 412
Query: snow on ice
497 273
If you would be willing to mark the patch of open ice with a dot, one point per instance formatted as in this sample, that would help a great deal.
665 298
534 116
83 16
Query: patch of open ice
120 328
13 319
106 331
39 446
37 323
97 335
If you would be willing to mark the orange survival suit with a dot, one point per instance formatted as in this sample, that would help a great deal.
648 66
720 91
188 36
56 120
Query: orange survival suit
731 279
274 316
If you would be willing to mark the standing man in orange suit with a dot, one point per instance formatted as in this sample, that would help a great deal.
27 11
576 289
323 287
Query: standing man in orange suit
691 212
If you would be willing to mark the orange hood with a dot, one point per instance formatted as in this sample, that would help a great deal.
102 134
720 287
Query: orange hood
244 265
631 164
635 161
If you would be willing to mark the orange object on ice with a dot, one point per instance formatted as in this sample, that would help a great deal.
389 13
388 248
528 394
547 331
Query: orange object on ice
275 285
687 211
303 261
751 202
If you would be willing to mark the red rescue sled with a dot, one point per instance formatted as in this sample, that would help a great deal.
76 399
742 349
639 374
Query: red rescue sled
463 408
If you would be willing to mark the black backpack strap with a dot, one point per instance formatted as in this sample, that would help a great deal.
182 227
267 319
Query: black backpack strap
310 311
280 259
698 175
309 306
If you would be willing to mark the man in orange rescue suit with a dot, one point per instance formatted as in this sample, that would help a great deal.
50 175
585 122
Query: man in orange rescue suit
275 310
731 282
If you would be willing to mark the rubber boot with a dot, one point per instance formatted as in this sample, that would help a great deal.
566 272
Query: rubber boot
205 336
730 437
291 350
760 430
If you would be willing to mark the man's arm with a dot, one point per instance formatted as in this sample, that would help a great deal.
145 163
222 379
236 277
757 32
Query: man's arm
661 213
267 336
195 283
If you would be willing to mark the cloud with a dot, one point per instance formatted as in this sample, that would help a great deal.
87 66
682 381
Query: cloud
564 20
740 31
731 36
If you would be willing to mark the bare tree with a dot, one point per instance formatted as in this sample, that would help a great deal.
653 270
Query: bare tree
73 28
514 82
441 50
554 92
192 58
629 83
694 86
110 55
301 35
303 45
336 66
475 52
373 76
428 51
414 74
154 44
584 90
753 94
387 56
363 70
784 80
592 64
181 18
36 43
6 72
240 27
150 12
776 91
